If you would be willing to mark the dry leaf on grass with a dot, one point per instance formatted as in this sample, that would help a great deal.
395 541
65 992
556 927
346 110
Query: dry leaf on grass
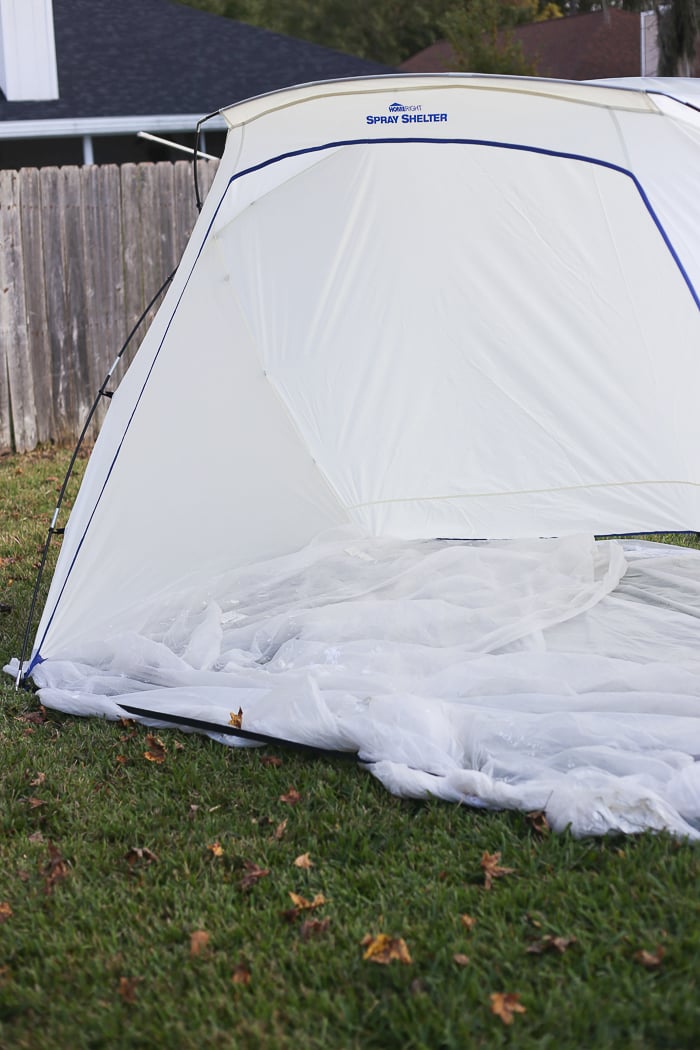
492 868
467 921
270 760
38 780
385 949
313 928
55 869
460 959
538 821
34 802
216 849
127 989
280 830
303 861
550 943
302 904
140 855
156 749
650 959
236 720
291 798
199 940
252 874
5 911
505 1005
241 974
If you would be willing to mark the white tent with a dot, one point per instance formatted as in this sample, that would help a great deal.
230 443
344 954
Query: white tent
418 310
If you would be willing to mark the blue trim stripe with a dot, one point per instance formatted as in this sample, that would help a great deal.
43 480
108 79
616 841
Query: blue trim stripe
516 147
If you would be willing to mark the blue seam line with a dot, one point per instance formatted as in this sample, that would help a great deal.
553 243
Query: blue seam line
336 145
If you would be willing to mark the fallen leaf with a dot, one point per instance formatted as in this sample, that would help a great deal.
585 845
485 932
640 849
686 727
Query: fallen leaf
199 939
467 921
34 802
280 830
55 868
650 959
241 974
38 780
538 821
313 928
492 869
303 861
292 797
156 749
270 760
384 949
127 989
35 717
236 720
216 849
36 837
179 746
5 911
550 943
121 760
302 904
252 874
460 960
505 1005
138 854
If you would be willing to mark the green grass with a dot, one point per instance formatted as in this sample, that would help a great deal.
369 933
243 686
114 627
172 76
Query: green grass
404 868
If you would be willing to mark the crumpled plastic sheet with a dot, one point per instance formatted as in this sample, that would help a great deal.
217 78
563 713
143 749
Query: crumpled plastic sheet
560 675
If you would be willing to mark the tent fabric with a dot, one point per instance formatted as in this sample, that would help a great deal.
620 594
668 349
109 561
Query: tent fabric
420 308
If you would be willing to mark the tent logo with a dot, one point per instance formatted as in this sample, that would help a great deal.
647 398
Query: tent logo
406 114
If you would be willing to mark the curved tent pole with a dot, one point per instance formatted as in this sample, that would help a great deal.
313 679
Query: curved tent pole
196 153
53 531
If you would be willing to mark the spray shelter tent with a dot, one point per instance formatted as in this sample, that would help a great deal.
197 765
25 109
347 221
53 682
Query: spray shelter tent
416 314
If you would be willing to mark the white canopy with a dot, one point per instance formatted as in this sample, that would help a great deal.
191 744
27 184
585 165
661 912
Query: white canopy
418 306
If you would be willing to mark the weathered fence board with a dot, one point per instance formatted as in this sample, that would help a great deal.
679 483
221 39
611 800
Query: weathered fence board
82 251
18 401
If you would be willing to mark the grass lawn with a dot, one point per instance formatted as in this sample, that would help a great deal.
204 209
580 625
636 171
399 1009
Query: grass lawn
145 892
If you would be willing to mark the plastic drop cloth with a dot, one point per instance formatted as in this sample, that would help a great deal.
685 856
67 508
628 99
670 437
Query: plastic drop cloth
560 674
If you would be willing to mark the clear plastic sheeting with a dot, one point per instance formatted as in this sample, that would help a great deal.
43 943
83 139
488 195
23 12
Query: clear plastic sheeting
560 674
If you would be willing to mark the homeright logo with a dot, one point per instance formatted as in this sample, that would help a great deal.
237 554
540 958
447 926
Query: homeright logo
406 114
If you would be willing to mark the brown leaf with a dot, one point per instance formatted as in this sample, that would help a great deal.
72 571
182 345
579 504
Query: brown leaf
467 921
241 974
38 780
280 830
55 868
460 960
216 849
252 874
37 718
302 904
303 861
538 821
492 868
236 720
384 949
270 760
199 939
313 928
505 1005
550 943
34 802
156 749
650 959
5 911
121 760
127 989
292 797
36 837
140 854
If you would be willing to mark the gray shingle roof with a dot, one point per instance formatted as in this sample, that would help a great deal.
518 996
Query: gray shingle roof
137 57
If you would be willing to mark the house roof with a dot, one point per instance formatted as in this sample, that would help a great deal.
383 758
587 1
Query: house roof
581 47
161 59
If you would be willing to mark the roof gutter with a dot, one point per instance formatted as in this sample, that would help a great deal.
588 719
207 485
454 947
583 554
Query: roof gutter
77 127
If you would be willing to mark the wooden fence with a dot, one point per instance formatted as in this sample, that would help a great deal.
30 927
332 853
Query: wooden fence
82 252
